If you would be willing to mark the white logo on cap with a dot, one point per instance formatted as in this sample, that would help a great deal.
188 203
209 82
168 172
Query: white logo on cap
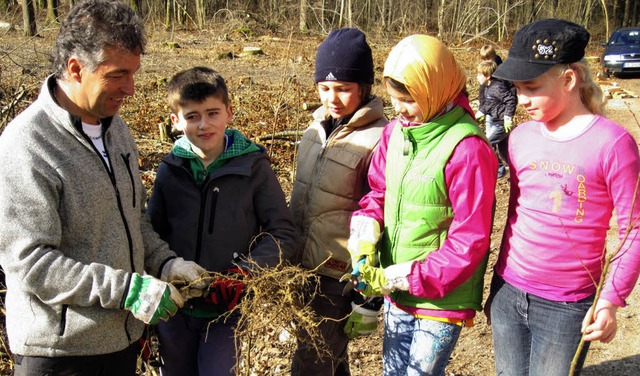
545 49
330 77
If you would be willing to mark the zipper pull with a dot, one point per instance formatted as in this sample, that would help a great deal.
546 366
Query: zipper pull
407 145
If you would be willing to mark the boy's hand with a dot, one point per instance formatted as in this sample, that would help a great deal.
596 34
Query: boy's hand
227 292
181 272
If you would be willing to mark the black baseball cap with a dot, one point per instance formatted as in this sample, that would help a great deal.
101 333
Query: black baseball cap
539 46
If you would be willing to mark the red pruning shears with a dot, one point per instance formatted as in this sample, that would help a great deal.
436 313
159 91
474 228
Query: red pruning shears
355 280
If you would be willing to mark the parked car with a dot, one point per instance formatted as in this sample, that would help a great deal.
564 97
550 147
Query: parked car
622 52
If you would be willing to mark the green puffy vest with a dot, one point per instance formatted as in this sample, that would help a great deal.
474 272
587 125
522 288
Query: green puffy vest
418 211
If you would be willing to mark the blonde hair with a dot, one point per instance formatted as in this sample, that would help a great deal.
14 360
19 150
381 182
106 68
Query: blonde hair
590 93
487 52
487 67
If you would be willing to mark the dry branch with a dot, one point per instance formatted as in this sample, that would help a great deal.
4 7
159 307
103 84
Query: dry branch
605 272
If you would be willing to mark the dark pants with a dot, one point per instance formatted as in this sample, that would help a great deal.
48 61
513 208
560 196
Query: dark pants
121 363
196 346
328 302
499 140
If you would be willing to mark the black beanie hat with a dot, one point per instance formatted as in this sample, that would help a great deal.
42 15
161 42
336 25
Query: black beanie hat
344 56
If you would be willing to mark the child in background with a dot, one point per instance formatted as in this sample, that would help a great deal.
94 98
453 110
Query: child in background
331 177
497 108
570 168
432 192
488 53
214 195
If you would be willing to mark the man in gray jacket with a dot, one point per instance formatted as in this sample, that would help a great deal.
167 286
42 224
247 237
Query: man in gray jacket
78 252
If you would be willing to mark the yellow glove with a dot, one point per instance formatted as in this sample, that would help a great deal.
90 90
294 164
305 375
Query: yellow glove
480 117
508 124
361 322
381 281
364 235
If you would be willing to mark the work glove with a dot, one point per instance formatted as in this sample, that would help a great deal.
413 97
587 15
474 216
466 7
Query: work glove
364 235
361 322
508 124
381 281
226 292
177 271
150 299
480 117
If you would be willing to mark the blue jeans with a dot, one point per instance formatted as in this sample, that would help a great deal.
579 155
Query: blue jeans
534 336
414 346
194 346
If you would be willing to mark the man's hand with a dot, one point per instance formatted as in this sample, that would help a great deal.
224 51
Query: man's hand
150 299
364 235
181 272
227 291
605 325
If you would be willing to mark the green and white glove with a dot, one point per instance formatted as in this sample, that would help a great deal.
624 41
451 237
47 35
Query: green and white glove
179 271
381 281
150 299
363 237
361 322
480 117
508 124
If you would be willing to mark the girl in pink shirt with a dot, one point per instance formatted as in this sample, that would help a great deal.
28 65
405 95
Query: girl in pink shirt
570 168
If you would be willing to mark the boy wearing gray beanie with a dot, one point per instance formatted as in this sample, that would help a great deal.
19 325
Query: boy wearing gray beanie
331 178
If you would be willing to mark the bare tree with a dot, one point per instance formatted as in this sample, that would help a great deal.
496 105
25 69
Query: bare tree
52 10
28 18
302 25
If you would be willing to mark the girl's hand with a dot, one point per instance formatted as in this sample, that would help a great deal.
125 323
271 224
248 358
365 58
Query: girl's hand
605 325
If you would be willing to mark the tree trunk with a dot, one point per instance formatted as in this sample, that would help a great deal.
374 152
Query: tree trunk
167 15
302 25
4 6
441 18
200 14
586 15
554 8
626 21
28 18
52 11
135 5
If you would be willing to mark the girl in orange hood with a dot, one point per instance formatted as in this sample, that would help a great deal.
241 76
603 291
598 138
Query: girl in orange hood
432 192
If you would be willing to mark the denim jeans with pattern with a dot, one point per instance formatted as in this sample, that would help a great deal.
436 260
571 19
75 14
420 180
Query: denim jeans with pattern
414 346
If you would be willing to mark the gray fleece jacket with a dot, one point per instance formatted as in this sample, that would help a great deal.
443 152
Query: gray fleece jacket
72 233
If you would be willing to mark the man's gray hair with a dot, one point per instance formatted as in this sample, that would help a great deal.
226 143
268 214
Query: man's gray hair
93 25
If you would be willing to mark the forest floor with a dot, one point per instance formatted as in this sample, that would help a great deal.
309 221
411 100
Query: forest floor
272 93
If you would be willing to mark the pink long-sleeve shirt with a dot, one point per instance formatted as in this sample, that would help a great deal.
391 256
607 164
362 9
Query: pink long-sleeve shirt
562 197
470 176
